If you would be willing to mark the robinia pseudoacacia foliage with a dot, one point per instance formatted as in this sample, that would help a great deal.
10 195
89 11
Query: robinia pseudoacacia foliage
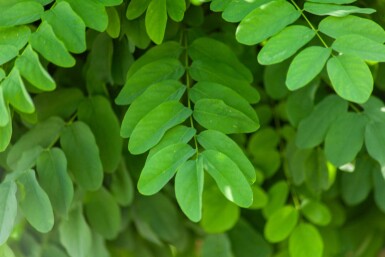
178 128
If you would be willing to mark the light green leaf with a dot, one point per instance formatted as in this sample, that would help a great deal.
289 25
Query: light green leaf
277 195
20 13
156 20
136 8
236 10
68 26
356 185
91 12
224 74
216 245
335 10
35 203
316 212
260 199
103 213
4 110
285 44
50 47
312 130
100 117
209 90
215 114
75 235
345 138
110 2
352 25
215 140
82 152
136 84
351 78
113 28
266 21
375 141
189 188
360 46
228 177
305 241
15 92
43 134
218 214
154 95
8 52
333 1
31 69
209 50
8 209
161 167
176 9
16 36
219 5
153 126
306 66
6 251
122 188
280 224
51 167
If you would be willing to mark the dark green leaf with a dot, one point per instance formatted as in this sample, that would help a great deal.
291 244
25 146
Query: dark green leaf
280 224
82 152
375 141
35 203
161 167
305 241
122 188
8 209
51 168
274 80
113 28
317 176
266 21
216 245
379 187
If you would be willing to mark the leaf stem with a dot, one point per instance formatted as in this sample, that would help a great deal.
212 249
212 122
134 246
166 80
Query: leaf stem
310 24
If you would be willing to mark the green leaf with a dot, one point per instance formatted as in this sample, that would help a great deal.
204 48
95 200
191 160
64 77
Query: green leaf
4 110
15 36
68 26
312 130
285 44
8 209
152 127
91 12
277 196
375 141
215 114
280 224
35 203
274 77
209 50
228 177
50 47
136 84
82 152
31 69
224 74
305 241
161 167
333 1
216 245
316 212
189 188
219 214
103 213
8 52
110 2
20 13
52 250
335 10
75 235
156 20
98 114
219 5
260 199
209 90
43 134
306 66
113 28
356 185
6 251
15 92
6 134
236 10
62 102
136 8
345 138
317 176
51 168
352 25
351 78
360 46
167 90
379 187
176 9
215 140
245 240
121 186
266 21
